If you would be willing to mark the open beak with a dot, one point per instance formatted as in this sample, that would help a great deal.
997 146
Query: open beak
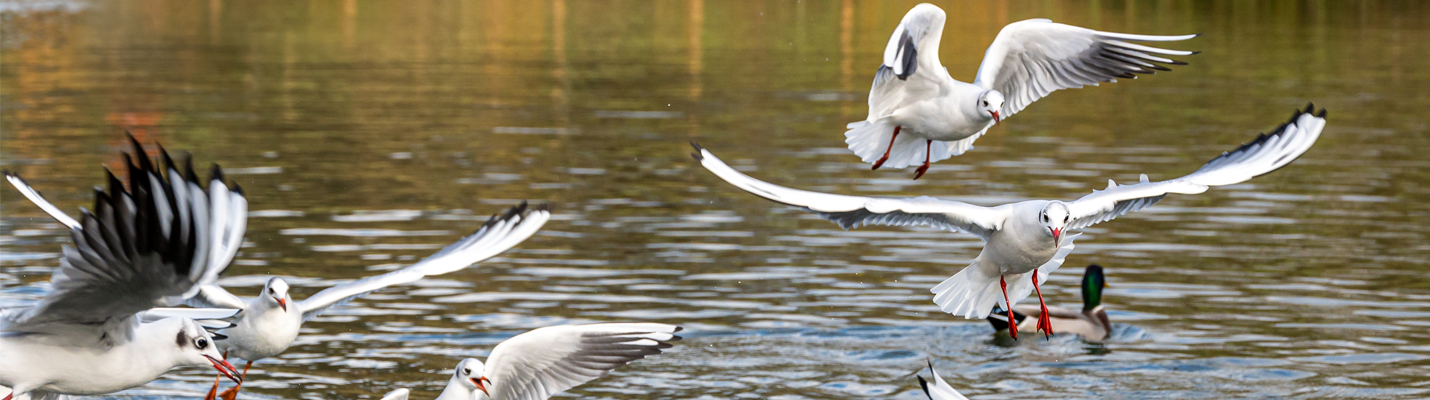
225 368
1057 234
482 387
283 304
996 119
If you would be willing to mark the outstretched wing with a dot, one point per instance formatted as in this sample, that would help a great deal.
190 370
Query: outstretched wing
939 390
144 247
1258 157
853 211
228 220
911 70
1032 58
500 233
543 362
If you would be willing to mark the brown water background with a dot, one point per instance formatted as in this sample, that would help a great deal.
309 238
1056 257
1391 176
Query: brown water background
369 134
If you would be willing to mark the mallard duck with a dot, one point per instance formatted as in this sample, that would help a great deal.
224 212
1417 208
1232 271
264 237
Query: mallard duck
1091 323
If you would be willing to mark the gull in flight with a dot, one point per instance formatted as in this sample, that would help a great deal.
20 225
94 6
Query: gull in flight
267 325
940 390
150 245
1027 240
538 364
1091 323
915 103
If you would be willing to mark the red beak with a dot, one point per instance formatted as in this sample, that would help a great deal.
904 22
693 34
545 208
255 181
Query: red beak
995 118
1057 233
482 387
223 367
283 304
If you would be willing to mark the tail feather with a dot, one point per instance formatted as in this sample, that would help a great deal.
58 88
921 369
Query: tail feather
974 291
869 141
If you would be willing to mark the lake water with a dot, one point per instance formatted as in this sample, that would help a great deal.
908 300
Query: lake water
369 134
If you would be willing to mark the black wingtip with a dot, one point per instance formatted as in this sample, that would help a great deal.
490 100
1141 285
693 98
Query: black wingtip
543 207
216 174
696 155
1195 52
925 385
1322 114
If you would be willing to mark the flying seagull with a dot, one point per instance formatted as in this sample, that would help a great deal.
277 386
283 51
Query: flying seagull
915 103
150 245
1027 240
538 364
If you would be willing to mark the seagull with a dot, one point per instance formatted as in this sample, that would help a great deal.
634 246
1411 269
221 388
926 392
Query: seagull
538 364
1027 240
151 245
1091 323
940 389
913 93
269 323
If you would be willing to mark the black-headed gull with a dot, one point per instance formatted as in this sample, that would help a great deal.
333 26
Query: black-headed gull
538 364
940 390
915 103
151 245
1091 323
1028 238
269 324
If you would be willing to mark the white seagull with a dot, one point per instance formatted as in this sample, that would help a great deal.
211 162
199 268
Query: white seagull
1028 238
538 364
940 389
152 245
269 324
914 95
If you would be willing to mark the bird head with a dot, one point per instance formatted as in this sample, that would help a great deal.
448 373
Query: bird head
196 347
1055 218
276 291
1092 284
469 373
990 103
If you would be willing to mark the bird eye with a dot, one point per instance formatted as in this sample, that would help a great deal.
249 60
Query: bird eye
466 371
1065 219
201 343
985 103
1045 217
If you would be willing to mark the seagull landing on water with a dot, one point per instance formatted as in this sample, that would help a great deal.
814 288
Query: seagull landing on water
538 364
915 102
150 245
268 324
1026 241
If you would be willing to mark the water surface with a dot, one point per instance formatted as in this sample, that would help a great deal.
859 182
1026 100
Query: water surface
369 134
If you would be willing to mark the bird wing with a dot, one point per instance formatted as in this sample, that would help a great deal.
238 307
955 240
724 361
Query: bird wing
500 233
1032 58
1266 153
399 394
911 71
39 200
141 248
853 211
540 363
940 390
228 219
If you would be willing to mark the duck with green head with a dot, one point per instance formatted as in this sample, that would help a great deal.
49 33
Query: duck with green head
1091 323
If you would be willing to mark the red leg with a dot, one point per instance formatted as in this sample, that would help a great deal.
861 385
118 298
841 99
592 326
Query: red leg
881 161
1012 323
928 152
10 396
232 393
1045 322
